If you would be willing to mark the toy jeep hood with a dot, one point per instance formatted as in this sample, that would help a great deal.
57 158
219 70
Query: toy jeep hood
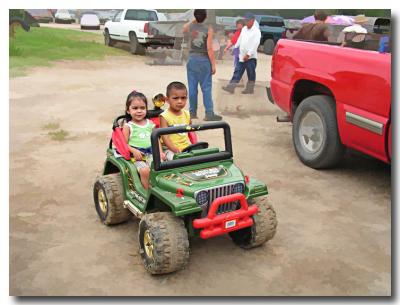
192 180
206 173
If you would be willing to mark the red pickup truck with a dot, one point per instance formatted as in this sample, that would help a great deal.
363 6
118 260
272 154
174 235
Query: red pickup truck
336 97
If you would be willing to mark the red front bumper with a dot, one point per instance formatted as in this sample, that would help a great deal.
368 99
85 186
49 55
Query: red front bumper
214 225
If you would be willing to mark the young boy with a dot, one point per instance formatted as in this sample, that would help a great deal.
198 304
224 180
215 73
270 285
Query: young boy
175 115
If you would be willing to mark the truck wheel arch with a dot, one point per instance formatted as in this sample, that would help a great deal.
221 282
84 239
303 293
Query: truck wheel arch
305 88
135 46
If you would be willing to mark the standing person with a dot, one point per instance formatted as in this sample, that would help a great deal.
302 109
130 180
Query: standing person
233 40
317 31
201 64
248 43
354 35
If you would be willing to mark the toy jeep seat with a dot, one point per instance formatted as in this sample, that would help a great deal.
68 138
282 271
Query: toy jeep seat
118 139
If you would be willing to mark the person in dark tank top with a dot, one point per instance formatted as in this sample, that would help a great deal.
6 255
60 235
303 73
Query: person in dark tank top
201 64
317 31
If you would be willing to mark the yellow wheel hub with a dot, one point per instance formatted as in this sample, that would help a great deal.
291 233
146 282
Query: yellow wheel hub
102 201
148 244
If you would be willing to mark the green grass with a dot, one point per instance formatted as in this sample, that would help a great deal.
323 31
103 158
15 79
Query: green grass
59 135
43 46
51 126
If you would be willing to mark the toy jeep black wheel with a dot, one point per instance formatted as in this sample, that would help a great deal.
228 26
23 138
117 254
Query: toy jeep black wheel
262 230
108 199
163 243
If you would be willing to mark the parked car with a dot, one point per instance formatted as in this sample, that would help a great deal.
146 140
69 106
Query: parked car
105 16
90 21
336 97
132 26
272 29
64 16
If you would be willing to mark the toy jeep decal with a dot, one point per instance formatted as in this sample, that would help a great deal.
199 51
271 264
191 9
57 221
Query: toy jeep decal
206 173
138 197
132 189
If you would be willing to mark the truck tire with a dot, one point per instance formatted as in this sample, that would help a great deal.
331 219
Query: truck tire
262 230
136 47
108 199
269 46
108 41
163 243
315 132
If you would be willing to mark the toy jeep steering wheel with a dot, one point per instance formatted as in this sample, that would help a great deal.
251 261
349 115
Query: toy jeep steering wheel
198 145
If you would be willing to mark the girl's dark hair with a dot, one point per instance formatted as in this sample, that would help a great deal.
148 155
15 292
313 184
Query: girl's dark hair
129 98
200 15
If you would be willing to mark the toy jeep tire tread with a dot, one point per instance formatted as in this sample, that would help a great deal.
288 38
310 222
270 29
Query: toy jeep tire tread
163 243
108 198
262 230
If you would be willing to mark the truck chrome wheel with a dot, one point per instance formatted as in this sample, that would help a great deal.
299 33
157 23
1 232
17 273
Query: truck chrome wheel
315 132
102 201
148 244
311 132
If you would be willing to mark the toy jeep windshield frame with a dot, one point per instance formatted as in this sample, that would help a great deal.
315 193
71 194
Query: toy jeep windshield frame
217 156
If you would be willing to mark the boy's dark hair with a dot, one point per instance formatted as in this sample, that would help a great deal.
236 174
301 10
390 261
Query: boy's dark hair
200 15
129 98
320 15
175 85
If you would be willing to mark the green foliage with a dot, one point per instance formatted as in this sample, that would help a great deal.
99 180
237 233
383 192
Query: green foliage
52 126
59 135
42 46
14 50
16 13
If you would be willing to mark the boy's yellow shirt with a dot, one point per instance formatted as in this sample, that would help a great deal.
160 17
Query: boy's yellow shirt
181 140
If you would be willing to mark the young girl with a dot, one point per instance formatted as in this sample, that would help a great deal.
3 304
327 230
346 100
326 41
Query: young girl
137 132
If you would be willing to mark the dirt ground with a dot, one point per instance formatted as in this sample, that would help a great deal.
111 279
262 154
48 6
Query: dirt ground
334 231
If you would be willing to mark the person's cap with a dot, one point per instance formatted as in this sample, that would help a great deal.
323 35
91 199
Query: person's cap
360 19
249 16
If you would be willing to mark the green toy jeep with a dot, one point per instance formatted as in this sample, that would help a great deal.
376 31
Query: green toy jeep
199 193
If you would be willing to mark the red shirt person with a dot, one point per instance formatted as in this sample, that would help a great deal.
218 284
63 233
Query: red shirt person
234 39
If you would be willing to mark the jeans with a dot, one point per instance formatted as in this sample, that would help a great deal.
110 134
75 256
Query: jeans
249 66
199 72
235 53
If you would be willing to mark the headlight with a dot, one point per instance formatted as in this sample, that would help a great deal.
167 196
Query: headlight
238 188
202 197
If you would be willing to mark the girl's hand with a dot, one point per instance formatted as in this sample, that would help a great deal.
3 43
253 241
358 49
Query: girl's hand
163 156
137 155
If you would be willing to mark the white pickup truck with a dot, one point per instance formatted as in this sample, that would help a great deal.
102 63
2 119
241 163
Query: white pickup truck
132 25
